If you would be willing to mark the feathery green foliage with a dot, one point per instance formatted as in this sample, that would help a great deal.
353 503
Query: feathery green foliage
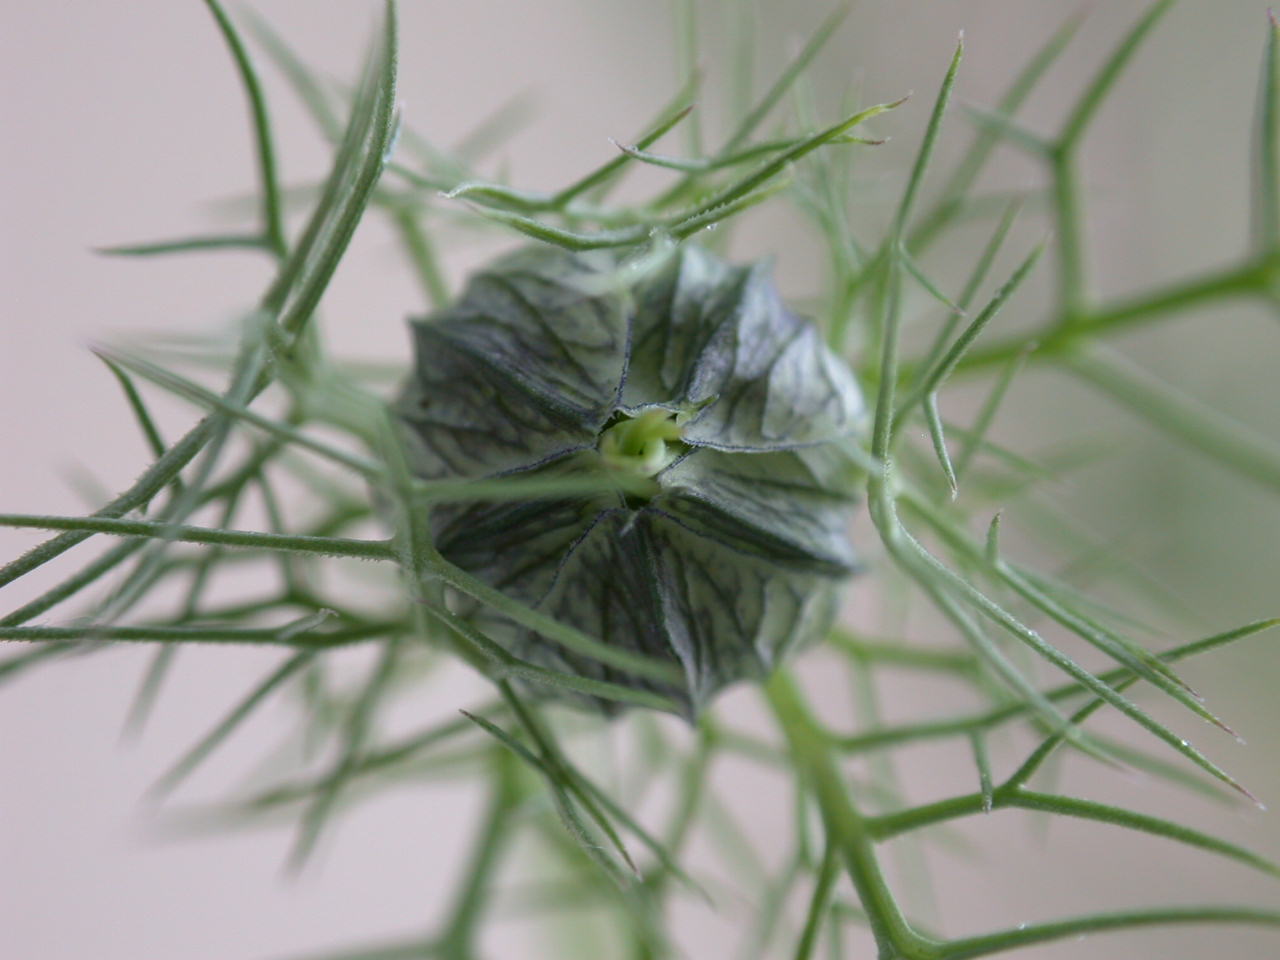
922 499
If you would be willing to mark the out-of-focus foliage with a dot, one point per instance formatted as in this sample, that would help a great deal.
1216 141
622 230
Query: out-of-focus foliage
922 498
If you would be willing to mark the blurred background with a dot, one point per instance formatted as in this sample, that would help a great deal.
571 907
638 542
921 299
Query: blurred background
125 123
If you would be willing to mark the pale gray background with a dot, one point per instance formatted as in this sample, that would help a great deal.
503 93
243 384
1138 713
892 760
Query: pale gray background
122 121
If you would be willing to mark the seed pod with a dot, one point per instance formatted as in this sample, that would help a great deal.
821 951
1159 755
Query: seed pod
717 422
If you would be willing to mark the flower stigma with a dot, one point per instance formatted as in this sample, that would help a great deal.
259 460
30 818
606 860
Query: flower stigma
643 445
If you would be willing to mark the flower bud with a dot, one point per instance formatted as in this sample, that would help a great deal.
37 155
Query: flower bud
718 423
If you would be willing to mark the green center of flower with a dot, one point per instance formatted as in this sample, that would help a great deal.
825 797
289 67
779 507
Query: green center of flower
642 445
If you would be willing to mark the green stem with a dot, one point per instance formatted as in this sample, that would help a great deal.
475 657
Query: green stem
960 726
272 217
818 905
398 752
1243 280
1267 162
1011 796
310 284
155 479
458 940
898 654
422 251
331 546
692 781
846 828
1060 337
957 189
269 635
1043 932
1072 295
97 568
1199 425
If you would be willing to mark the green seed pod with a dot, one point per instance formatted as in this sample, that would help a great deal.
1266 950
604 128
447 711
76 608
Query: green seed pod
717 422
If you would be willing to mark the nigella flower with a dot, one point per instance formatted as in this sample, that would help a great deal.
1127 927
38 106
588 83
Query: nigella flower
720 427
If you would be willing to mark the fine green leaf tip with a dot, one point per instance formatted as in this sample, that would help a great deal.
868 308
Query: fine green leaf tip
1104 80
272 237
1267 158
145 421
925 153
938 436
993 539
203 244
